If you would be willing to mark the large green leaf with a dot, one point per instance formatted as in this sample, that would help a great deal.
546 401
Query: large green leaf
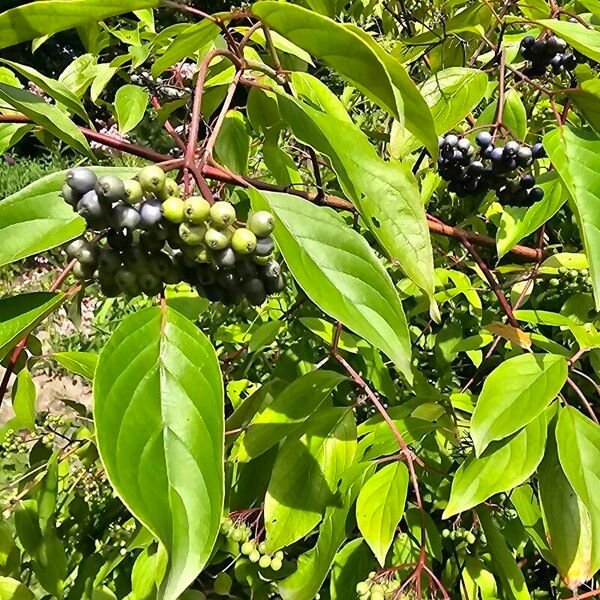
49 16
585 97
37 218
339 272
314 565
80 363
514 394
399 223
131 102
233 143
566 519
503 466
158 410
288 411
575 154
515 114
351 564
11 589
306 475
357 57
23 400
19 315
578 440
380 507
47 115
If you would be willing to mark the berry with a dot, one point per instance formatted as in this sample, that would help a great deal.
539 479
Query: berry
169 189
224 258
255 291
511 148
243 241
173 210
451 140
196 209
119 239
275 284
262 547
527 181
254 556
150 242
215 239
92 210
538 151
483 139
246 270
276 564
264 562
536 194
152 179
133 191
247 548
150 213
237 535
524 157
222 214
222 585
82 272
81 180
272 269
192 235
74 248
109 261
149 283
110 188
264 246
70 196
261 223
125 217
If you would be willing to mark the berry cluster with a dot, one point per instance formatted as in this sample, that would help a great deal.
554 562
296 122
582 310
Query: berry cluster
459 534
150 237
498 168
548 52
378 588
12 444
573 281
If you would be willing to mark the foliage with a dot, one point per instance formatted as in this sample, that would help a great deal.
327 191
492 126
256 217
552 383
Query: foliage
412 412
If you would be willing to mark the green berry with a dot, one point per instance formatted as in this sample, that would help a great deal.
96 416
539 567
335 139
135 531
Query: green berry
247 548
215 239
243 241
192 235
223 584
110 188
261 223
170 189
363 587
237 535
276 564
254 556
222 214
470 538
262 547
445 533
197 210
261 260
279 555
152 179
264 562
174 210
554 282
133 191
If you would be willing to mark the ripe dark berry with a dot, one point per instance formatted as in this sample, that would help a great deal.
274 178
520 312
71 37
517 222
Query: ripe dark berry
150 213
484 138
527 181
264 246
109 260
75 247
511 148
451 140
125 217
255 292
524 157
81 180
110 188
119 239
538 151
70 195
536 194
92 210
225 258
496 155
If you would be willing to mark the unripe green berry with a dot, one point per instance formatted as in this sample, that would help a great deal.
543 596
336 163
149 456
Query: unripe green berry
197 210
261 223
262 547
261 260
170 189
152 179
174 210
223 584
279 555
247 548
237 535
264 562
222 214
276 564
192 235
254 556
470 538
215 239
133 191
243 241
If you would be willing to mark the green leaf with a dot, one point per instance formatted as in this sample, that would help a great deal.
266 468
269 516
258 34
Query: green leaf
399 224
567 522
49 16
586 40
380 507
515 114
578 441
505 567
11 589
339 272
158 410
11 133
19 315
524 500
517 223
503 466
185 299
288 411
357 57
23 401
80 363
233 143
37 218
50 117
326 331
131 102
350 566
451 95
185 44
514 394
306 475
585 97
314 565
575 154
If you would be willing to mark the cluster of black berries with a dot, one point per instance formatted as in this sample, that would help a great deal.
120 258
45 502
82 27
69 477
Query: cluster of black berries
498 168
147 236
548 52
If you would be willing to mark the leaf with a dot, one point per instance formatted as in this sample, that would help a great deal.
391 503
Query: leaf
357 57
233 143
566 519
451 94
585 97
515 114
578 441
24 397
586 40
306 475
400 223
516 336
313 566
158 410
49 16
80 363
518 223
131 102
507 570
186 43
514 394
50 117
37 218
350 566
339 272
503 466
20 314
185 299
280 43
575 154
524 500
11 589
380 507
288 411
326 331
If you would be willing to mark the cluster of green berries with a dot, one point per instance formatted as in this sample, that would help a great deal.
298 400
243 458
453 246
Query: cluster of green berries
459 534
12 445
93 488
118 536
572 281
377 588
150 237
